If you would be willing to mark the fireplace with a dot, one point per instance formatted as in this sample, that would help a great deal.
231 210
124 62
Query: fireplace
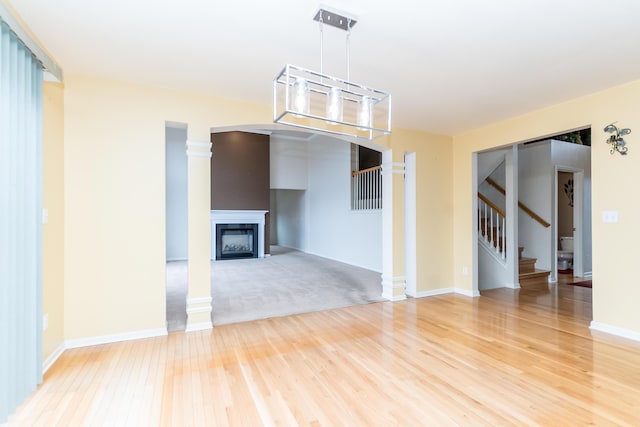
237 219
236 241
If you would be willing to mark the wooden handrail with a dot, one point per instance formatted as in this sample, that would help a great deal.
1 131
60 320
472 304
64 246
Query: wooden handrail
521 205
491 205
354 173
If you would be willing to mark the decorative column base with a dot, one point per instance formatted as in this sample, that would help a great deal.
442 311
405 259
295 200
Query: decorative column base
394 288
199 314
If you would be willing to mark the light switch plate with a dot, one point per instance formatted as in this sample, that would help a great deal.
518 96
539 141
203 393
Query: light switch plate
45 215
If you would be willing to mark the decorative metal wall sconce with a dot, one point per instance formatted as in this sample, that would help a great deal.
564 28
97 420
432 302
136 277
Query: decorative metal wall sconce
616 140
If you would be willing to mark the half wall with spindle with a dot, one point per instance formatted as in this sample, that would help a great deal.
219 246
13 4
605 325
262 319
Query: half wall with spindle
366 189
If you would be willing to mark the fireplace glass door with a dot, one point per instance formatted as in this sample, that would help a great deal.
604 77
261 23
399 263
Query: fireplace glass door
236 241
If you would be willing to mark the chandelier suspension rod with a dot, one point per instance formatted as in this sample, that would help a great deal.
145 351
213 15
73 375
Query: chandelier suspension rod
321 22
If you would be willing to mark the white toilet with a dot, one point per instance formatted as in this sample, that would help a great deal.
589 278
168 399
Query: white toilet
565 254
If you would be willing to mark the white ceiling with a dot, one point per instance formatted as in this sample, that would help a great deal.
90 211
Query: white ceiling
450 65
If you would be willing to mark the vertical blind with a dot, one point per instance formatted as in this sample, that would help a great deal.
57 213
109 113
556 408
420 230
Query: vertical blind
20 222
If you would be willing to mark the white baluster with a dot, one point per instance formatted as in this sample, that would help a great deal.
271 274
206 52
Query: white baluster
504 239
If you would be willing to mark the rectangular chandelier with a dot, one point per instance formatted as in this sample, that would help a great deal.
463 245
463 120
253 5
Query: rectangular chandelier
314 101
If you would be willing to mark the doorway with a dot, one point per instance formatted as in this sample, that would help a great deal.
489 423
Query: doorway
573 219
176 226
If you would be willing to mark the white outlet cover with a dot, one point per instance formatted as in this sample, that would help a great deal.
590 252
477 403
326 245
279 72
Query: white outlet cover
610 216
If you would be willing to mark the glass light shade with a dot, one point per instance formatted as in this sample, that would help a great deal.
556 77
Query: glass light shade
307 99
334 105
364 112
300 96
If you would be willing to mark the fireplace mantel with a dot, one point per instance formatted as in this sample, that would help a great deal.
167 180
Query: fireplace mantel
238 217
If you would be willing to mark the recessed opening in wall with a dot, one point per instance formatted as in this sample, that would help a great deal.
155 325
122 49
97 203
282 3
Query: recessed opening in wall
580 137
366 178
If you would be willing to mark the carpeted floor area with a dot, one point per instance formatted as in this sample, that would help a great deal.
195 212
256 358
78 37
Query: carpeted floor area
288 282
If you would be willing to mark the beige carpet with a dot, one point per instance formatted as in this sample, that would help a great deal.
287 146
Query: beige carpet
288 282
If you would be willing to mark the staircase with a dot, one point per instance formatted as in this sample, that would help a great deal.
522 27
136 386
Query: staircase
492 234
529 275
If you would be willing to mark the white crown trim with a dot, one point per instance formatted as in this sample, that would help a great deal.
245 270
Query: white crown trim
199 300
193 153
198 144
195 310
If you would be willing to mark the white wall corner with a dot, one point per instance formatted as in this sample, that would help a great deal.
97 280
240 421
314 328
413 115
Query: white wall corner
614 330
48 363
511 285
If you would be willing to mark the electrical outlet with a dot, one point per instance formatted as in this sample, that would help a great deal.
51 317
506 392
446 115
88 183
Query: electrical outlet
45 322
465 271
610 216
45 215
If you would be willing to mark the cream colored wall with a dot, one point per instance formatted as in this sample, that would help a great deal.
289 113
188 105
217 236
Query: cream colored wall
434 188
114 204
615 294
53 231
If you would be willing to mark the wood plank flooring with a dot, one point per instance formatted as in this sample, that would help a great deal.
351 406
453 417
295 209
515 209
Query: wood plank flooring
510 357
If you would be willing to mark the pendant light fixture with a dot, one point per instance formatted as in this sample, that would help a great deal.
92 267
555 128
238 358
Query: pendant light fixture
301 96
315 101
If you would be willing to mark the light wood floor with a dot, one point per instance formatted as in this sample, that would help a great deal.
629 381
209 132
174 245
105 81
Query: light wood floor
507 358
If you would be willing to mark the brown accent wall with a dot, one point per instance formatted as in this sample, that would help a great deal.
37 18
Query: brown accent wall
240 174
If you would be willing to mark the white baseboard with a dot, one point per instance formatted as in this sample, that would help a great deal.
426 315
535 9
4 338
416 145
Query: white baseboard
106 339
614 330
587 274
511 285
176 259
394 288
467 293
52 358
394 298
443 291
198 326
340 260
432 293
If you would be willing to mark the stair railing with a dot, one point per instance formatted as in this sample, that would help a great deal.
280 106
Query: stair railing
366 189
521 205
492 225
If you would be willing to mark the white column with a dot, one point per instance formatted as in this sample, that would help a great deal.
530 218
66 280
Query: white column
511 210
393 277
410 223
198 256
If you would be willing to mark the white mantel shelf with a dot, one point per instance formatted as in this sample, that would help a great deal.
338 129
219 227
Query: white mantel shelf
238 217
